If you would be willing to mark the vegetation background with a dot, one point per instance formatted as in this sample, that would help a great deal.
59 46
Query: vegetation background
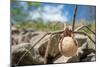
21 16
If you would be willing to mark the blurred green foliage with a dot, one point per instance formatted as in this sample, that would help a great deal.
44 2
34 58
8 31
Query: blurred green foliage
51 26
20 12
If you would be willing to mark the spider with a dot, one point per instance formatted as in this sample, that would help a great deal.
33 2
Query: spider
67 34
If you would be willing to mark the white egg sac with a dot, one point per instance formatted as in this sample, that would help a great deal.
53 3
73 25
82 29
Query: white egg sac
68 47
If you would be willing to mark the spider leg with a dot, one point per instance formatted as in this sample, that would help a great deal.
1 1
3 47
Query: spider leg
83 33
31 48
83 26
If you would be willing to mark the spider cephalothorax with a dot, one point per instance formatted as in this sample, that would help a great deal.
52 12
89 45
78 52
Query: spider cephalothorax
67 32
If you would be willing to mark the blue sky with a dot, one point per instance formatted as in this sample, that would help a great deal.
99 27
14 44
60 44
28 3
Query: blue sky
84 11
58 12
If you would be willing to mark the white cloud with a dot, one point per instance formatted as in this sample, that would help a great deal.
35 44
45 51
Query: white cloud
50 13
54 17
35 14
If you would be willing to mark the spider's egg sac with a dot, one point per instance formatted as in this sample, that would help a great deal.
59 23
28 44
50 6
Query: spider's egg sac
68 47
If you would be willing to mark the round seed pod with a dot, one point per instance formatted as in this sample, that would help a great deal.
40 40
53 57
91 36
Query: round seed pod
68 47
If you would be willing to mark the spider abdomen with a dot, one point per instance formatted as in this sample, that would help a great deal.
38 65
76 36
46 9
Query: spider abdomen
68 47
